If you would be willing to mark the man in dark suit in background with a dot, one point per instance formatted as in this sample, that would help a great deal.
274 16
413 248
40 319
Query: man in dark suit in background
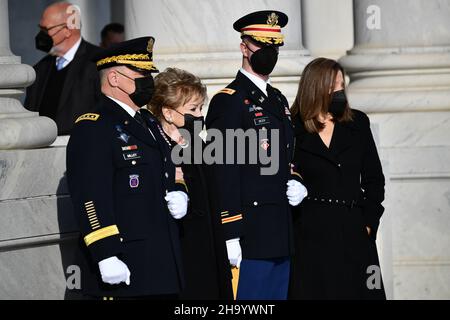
111 34
67 83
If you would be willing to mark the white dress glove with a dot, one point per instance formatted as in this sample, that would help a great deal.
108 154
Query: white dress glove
234 252
296 192
114 271
177 202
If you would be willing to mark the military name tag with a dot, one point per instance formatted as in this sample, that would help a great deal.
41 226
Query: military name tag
131 156
262 121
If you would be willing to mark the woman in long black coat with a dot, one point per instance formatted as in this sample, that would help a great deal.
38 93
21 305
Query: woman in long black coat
336 225
177 101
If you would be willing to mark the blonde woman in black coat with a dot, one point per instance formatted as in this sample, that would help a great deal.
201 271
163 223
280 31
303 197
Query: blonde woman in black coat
177 102
336 225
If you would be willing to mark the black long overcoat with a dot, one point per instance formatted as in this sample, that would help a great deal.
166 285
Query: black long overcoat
334 255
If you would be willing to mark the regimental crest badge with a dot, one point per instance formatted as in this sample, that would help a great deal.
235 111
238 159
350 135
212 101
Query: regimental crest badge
272 19
134 181
265 144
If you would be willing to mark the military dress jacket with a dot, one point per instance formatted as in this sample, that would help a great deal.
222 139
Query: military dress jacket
254 206
118 174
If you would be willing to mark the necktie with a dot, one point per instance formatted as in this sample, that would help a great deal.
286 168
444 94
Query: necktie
138 117
270 91
60 63
274 99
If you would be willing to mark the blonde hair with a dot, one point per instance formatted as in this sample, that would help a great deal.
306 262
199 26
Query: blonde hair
174 88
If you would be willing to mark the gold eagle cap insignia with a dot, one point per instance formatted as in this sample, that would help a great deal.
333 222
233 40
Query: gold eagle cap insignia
272 19
150 44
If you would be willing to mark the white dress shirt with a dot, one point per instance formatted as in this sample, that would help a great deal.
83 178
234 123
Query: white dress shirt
70 54
124 106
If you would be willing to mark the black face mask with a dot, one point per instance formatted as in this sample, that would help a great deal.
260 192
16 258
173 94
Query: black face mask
263 61
144 91
338 104
145 87
44 42
190 121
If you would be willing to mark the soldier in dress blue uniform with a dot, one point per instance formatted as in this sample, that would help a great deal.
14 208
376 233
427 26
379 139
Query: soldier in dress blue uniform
122 184
255 208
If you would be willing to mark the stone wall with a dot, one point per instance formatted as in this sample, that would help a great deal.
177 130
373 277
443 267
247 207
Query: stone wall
37 225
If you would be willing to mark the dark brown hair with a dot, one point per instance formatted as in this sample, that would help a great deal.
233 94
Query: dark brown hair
174 88
314 97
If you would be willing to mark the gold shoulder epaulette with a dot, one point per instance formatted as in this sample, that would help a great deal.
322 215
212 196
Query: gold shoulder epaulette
88 116
227 91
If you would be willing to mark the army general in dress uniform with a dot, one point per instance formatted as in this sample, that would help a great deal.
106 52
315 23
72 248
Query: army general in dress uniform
255 208
122 184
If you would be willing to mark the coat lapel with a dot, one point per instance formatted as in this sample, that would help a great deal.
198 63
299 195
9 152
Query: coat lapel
45 73
259 98
312 143
342 138
73 74
137 131
156 129
341 141
130 125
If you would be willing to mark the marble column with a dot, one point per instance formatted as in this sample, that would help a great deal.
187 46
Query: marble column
118 11
400 75
400 44
94 16
198 36
19 129
327 27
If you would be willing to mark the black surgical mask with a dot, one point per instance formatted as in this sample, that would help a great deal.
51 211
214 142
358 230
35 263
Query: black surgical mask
44 42
263 61
145 88
338 104
190 121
